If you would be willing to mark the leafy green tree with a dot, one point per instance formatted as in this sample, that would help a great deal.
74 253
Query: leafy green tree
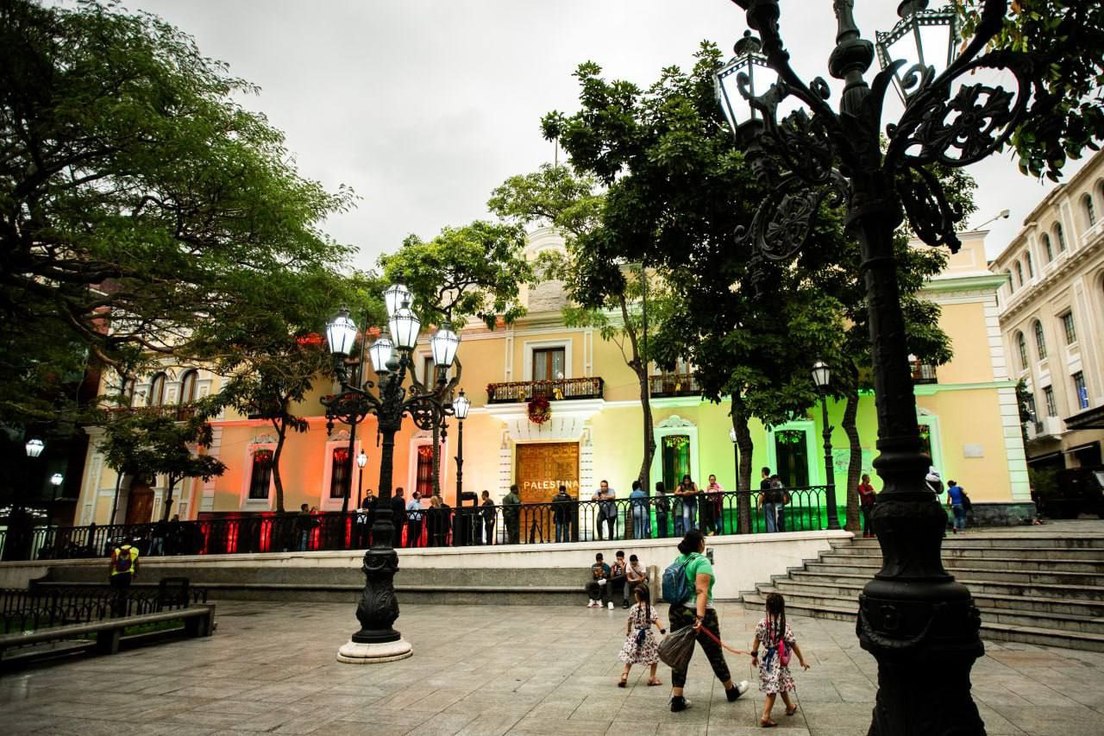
1064 38
623 300
138 199
154 441
472 271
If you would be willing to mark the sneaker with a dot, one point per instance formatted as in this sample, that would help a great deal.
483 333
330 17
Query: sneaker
625 604
611 605
739 689
679 703
590 604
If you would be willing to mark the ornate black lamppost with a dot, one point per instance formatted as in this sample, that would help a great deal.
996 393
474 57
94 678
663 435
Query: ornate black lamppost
821 377
377 640
919 624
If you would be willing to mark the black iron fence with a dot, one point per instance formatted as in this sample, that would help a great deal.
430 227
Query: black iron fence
802 509
36 608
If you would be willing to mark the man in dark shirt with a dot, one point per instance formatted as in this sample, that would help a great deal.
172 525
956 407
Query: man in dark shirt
398 517
598 585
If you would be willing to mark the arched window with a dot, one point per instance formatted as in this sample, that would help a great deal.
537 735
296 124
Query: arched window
1060 236
1019 274
1021 348
1047 248
157 390
1030 264
1090 211
1011 283
188 387
1040 341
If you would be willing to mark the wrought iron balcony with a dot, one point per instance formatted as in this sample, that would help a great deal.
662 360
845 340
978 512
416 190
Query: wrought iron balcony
673 384
560 389
923 372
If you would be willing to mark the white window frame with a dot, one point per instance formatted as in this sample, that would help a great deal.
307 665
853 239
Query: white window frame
529 346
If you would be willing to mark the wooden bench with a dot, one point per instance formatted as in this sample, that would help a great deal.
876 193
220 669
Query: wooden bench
198 621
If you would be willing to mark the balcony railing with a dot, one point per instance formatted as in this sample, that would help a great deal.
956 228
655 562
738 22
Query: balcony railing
560 389
178 412
923 372
673 384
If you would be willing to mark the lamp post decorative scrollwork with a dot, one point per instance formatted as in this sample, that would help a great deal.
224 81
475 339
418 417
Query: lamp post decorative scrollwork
919 623
428 405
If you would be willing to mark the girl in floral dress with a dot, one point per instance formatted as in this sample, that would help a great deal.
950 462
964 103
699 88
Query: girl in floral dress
774 676
640 645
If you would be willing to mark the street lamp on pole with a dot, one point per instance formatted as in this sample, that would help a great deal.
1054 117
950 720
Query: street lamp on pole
362 460
427 404
821 378
34 447
460 406
920 624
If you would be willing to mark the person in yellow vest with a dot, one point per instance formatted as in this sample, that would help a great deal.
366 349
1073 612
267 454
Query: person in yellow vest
124 568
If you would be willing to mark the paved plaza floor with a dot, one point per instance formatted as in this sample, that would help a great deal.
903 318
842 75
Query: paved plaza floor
486 670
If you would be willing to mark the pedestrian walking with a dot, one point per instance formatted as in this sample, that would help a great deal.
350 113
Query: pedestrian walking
640 645
693 606
958 502
778 641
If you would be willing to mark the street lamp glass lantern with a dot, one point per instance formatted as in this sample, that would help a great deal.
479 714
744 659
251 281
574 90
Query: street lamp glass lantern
924 38
404 326
443 345
35 447
822 375
460 405
362 459
57 479
732 435
341 333
750 70
381 352
396 297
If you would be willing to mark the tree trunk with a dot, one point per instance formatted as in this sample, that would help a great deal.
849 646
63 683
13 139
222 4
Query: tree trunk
746 447
854 465
277 481
167 505
649 432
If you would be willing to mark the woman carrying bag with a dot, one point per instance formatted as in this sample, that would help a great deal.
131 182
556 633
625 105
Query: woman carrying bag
696 610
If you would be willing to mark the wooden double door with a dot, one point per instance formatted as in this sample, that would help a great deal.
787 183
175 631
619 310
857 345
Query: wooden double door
540 469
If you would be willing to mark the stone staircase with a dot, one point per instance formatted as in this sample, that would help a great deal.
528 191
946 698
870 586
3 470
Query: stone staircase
1035 587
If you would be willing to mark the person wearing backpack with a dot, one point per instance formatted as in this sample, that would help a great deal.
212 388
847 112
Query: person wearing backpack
124 568
688 587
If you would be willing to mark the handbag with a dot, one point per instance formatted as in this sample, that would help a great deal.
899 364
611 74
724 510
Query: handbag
677 647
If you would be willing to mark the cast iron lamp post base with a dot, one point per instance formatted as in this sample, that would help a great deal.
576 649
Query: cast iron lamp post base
377 642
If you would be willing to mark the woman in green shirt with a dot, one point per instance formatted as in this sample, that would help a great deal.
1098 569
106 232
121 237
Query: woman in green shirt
698 611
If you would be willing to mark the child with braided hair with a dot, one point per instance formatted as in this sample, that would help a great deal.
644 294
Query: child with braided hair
774 667
640 645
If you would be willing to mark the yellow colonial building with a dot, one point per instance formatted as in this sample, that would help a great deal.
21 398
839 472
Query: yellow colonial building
967 409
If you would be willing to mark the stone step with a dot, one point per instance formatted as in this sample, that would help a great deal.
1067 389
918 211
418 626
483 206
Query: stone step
982 539
984 598
989 631
984 552
1084 575
995 586
1051 600
1048 620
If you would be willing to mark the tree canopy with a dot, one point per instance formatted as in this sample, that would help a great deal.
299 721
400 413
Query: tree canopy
139 201
1064 39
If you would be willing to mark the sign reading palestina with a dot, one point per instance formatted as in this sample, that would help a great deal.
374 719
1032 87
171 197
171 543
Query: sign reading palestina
536 486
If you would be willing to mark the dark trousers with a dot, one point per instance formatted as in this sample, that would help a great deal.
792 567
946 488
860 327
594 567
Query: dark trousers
681 617
513 530
661 525
120 583
598 592
611 523
868 528
414 533
488 531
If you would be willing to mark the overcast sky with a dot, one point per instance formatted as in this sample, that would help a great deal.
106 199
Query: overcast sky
424 106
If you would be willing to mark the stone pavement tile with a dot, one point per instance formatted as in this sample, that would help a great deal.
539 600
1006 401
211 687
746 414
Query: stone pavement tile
1045 721
832 719
996 724
495 723
572 727
682 729
442 724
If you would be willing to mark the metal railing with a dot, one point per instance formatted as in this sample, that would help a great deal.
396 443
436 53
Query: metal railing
661 385
574 521
36 608
560 389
